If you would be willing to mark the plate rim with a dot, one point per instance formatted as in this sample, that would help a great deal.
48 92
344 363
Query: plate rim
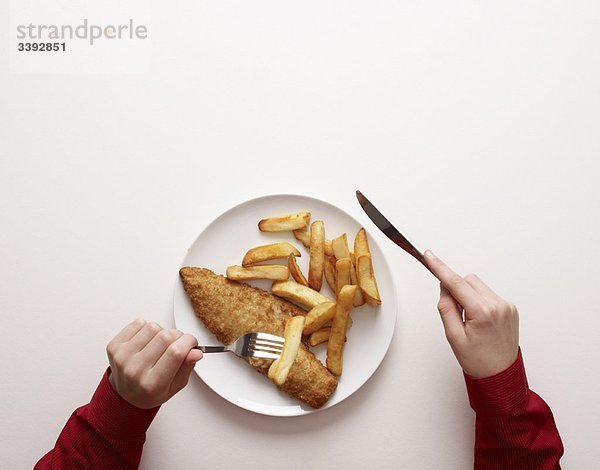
234 206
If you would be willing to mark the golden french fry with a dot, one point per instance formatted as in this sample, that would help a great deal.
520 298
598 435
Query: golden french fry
359 298
279 369
361 244
330 273
322 334
295 271
303 236
318 317
302 295
340 247
319 336
317 255
268 252
285 222
274 272
341 251
366 280
337 337
343 278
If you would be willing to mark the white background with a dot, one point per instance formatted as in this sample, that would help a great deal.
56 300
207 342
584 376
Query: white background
472 125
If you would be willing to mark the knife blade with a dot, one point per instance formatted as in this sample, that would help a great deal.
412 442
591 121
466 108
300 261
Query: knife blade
389 230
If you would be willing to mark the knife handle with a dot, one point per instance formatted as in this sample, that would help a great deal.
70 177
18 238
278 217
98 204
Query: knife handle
407 246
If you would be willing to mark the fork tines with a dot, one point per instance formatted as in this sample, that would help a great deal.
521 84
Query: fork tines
268 337
264 345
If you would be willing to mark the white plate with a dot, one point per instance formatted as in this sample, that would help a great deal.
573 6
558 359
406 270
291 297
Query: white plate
224 242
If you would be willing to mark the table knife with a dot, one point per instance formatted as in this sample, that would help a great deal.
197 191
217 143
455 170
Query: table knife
388 229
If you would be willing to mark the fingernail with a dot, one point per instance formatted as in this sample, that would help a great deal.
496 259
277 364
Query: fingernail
429 254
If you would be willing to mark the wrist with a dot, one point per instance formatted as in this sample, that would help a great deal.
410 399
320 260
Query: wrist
126 393
116 418
501 393
487 366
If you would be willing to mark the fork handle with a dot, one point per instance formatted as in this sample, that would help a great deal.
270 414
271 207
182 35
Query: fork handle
211 349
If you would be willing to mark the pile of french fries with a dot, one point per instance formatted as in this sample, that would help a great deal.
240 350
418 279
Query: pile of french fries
348 273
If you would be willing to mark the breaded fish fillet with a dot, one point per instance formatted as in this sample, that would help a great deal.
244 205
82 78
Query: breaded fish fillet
229 310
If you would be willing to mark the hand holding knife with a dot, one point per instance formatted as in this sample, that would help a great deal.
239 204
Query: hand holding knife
481 327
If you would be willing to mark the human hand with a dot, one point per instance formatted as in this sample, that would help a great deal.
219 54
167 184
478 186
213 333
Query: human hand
150 364
486 341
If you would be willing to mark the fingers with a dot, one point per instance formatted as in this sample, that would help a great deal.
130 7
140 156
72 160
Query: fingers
451 314
142 337
123 337
158 345
174 357
460 289
129 331
480 287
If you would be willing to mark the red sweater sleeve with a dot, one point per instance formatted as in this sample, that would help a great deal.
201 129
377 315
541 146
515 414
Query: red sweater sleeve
514 427
108 432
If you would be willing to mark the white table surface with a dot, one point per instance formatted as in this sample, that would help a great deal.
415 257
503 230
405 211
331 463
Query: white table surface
473 125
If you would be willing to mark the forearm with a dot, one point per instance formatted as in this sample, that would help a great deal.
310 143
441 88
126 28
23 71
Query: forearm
106 433
514 427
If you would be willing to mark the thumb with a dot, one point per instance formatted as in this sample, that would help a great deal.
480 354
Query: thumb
183 374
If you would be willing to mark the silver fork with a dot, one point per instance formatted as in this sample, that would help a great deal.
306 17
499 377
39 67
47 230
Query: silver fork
262 345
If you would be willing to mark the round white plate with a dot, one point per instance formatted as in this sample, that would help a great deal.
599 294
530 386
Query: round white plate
224 242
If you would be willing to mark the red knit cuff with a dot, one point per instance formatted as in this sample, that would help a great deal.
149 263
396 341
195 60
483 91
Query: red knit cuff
500 394
114 417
